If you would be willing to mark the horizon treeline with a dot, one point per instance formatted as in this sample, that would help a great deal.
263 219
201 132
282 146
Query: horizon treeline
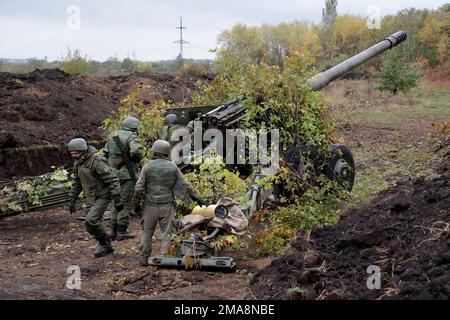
335 39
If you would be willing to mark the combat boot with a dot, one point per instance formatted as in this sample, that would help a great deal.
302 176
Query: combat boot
82 217
104 246
112 234
123 234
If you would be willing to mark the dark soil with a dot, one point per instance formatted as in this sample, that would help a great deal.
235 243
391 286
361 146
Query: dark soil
49 107
36 249
404 231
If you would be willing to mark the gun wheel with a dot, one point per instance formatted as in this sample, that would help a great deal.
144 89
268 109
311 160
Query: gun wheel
341 166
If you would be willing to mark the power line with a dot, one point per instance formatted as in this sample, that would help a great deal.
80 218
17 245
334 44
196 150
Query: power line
181 42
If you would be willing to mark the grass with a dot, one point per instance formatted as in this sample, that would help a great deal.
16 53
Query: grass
295 289
432 112
368 183
409 148
358 102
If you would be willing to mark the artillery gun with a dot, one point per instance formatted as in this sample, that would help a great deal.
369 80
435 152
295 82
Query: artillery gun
340 166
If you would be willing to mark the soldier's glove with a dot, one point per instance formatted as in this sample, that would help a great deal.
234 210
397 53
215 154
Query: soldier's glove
201 202
72 207
118 204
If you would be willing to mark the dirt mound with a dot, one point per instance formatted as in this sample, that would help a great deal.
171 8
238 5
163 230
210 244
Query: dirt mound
404 231
49 107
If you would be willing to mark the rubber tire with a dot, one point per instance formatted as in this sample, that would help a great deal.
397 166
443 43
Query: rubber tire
295 152
345 154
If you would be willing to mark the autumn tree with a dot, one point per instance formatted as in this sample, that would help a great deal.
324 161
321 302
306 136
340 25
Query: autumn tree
241 42
435 35
338 38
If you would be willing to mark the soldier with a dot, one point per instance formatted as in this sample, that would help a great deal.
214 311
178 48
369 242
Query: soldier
174 133
100 184
191 123
124 154
158 184
171 124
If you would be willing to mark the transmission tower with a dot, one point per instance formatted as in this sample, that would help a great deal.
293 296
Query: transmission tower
181 42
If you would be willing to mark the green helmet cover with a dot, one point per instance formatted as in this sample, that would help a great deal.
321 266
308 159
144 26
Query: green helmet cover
78 144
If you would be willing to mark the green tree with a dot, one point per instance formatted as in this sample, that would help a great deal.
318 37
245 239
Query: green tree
396 75
35 63
329 13
3 66
110 67
128 65
144 66
94 67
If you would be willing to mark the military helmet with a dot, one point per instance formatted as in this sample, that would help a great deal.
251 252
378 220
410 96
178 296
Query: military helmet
78 144
171 118
130 123
161 146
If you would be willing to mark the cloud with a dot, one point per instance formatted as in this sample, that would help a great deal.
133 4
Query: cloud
39 28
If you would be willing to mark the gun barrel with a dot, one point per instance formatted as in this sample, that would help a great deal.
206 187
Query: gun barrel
322 79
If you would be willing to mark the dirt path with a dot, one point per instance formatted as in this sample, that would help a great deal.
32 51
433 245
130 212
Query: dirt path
37 249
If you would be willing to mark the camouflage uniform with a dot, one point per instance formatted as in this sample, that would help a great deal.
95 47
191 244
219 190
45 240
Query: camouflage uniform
92 175
159 182
130 141
166 133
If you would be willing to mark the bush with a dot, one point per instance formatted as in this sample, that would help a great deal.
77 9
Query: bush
144 66
151 118
129 66
193 69
212 180
275 98
73 63
317 207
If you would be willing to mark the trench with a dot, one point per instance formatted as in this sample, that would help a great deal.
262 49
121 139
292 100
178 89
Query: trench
20 162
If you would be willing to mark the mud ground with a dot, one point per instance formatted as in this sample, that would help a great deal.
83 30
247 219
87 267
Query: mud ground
37 249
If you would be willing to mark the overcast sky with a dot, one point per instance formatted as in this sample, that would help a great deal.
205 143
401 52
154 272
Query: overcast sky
146 29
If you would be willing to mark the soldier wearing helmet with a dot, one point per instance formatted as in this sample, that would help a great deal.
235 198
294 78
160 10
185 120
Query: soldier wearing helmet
124 152
158 184
100 184
171 124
